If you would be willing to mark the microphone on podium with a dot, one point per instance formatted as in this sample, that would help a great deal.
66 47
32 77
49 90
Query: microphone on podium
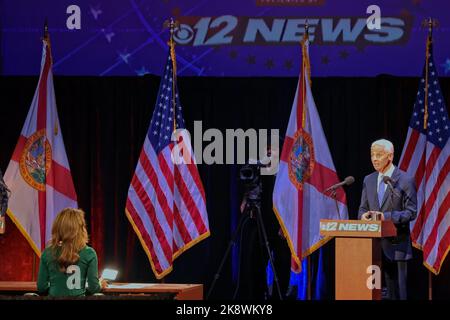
388 180
347 181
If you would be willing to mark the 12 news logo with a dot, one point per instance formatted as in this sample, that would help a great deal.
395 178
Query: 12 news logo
350 226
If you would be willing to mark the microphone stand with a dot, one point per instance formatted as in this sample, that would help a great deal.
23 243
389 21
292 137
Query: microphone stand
391 197
333 195
392 201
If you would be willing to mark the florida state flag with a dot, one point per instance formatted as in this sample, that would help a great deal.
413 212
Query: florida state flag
306 170
38 174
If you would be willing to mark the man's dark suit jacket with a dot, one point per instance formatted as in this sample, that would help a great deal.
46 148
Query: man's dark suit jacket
401 211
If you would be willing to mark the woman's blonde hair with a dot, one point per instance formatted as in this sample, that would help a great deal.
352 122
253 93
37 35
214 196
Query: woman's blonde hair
69 236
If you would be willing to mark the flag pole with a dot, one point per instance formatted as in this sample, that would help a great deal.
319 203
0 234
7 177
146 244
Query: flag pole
427 54
306 67
430 285
45 29
33 263
309 277
425 121
430 23
171 24
46 36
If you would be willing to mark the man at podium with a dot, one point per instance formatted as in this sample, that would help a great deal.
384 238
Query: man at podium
390 194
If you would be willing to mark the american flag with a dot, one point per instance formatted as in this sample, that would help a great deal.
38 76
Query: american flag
166 201
425 156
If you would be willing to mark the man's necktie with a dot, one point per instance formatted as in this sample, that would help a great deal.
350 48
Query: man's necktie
381 190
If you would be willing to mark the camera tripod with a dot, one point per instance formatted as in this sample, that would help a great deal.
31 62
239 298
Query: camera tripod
252 207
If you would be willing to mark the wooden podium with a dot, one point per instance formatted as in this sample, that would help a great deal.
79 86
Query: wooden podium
358 247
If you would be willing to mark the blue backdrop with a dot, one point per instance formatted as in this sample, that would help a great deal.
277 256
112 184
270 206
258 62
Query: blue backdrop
224 38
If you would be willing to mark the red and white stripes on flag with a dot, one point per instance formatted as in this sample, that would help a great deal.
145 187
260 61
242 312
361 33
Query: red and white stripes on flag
425 156
166 202
38 174
306 169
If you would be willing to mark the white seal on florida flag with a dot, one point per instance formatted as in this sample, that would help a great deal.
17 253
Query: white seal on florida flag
36 160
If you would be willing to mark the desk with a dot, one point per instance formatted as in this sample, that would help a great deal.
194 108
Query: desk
182 291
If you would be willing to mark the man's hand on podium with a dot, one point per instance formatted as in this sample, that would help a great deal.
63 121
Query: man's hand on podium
379 216
373 216
367 216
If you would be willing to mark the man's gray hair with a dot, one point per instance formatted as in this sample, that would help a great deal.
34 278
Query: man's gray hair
386 144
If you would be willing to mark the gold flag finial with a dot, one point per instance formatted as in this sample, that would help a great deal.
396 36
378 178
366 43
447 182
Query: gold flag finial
305 55
306 34
46 37
306 68
172 25
429 23
46 29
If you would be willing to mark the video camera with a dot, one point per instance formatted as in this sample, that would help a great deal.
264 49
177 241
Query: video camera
250 175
